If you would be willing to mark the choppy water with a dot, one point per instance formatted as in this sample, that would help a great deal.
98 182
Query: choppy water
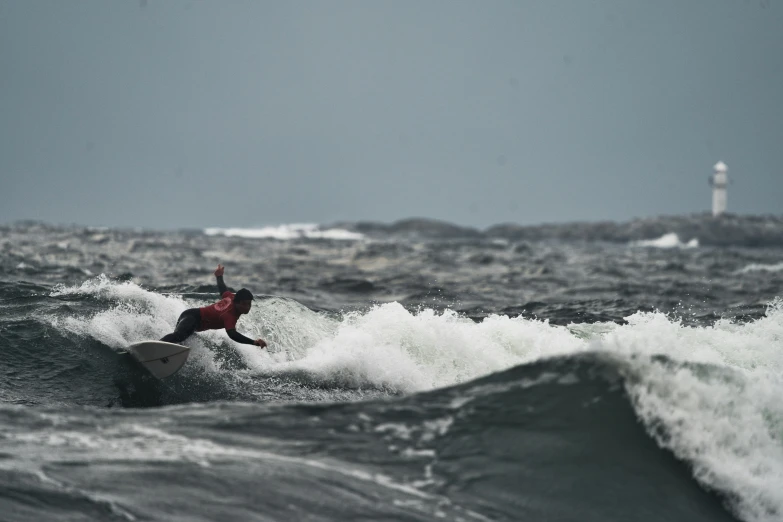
414 372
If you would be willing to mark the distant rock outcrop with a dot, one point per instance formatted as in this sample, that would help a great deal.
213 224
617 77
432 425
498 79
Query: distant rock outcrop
412 227
724 230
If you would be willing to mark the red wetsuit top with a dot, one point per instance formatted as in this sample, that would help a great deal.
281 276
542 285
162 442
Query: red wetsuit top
222 314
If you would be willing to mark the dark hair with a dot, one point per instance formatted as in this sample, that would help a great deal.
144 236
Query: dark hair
243 295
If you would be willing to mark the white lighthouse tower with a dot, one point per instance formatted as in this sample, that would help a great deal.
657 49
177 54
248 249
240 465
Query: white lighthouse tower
719 180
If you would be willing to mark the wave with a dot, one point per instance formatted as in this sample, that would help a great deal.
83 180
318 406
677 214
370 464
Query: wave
714 402
708 394
287 232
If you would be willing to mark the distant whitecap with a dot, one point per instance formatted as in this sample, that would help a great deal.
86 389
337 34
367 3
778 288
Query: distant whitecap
285 232
670 240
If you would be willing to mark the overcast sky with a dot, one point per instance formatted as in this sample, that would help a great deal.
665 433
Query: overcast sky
186 113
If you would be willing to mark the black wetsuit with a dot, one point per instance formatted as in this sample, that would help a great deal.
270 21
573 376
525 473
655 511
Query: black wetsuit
188 322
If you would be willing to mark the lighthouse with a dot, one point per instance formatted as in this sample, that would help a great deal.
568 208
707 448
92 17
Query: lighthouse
719 180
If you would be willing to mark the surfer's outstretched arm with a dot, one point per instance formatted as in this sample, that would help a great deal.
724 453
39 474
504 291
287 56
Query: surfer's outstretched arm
239 338
222 288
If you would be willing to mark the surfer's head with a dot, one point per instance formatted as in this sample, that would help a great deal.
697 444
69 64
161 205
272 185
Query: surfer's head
243 300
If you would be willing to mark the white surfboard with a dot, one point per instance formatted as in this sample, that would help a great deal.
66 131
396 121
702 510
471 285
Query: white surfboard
161 359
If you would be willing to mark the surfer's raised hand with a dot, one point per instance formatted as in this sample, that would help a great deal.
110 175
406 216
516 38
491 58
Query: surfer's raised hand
219 271
260 342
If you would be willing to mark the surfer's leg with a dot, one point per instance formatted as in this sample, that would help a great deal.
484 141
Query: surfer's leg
186 325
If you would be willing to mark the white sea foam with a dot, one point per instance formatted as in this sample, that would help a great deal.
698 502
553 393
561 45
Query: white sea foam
385 347
390 347
670 240
757 267
293 231
717 392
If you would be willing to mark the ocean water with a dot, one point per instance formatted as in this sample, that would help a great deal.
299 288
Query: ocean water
415 371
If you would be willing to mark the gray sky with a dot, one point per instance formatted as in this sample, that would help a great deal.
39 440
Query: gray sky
172 113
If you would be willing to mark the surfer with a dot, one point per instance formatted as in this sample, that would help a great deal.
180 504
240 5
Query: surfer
223 314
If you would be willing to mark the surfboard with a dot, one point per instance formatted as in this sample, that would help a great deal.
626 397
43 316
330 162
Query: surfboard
159 358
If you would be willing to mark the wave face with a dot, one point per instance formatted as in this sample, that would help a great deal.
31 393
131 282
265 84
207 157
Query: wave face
406 379
556 440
